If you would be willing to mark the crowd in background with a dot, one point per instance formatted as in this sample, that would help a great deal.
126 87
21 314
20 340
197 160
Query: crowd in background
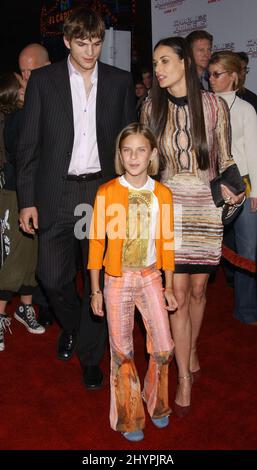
203 120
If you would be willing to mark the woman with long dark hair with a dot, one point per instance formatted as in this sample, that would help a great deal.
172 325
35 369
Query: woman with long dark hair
192 128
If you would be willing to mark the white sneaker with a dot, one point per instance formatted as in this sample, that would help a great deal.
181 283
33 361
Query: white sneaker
5 323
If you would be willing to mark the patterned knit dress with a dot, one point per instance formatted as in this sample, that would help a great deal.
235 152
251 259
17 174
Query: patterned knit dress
198 226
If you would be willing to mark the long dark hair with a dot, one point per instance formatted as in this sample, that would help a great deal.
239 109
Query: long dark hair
9 93
159 114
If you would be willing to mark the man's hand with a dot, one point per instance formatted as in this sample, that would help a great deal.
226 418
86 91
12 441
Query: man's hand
29 220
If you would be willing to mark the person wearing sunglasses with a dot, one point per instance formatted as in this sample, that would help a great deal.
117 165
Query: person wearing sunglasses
245 93
226 80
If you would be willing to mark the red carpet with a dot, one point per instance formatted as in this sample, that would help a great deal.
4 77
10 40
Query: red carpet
44 404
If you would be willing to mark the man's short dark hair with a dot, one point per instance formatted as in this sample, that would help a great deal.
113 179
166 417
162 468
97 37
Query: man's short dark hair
199 34
243 56
84 23
146 70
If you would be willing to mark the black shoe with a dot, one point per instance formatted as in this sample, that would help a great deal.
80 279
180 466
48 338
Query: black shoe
66 345
45 316
93 377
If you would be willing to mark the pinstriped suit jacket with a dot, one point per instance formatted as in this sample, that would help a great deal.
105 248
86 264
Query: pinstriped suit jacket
47 132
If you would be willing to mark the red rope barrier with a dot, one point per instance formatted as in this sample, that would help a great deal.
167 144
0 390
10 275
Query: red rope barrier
238 260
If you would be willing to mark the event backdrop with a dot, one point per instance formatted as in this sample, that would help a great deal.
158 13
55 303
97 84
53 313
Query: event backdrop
117 48
233 24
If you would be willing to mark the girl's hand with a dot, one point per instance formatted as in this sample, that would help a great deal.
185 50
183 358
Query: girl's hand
97 304
171 299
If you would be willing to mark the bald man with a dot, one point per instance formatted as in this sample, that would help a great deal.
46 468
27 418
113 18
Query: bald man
32 57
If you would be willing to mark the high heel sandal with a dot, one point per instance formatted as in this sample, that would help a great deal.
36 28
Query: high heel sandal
179 410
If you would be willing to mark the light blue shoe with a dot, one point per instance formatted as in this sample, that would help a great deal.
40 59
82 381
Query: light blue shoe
134 436
161 422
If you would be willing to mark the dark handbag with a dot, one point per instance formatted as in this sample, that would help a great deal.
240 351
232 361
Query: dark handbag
234 181
230 212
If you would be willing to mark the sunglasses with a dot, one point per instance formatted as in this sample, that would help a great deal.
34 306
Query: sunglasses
216 74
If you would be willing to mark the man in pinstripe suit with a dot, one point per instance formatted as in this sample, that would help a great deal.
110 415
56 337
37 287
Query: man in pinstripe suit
73 112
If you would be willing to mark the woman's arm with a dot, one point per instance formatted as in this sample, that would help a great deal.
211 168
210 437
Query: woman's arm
225 159
223 135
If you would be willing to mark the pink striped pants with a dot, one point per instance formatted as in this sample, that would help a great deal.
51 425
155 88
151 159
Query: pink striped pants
142 289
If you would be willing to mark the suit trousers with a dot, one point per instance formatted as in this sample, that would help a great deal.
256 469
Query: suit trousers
58 266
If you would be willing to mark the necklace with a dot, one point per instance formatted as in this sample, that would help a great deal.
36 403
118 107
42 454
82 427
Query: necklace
232 103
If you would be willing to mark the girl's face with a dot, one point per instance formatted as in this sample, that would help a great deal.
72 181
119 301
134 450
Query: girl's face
169 68
221 81
136 153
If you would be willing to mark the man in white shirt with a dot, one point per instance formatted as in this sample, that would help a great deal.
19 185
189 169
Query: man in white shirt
74 110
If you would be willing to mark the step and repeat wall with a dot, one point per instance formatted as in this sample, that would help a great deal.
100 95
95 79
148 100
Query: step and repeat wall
233 24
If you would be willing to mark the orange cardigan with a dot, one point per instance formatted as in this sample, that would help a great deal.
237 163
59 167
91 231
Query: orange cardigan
112 201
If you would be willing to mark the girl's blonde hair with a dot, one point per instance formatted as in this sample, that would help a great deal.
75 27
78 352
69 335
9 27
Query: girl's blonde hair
231 63
132 129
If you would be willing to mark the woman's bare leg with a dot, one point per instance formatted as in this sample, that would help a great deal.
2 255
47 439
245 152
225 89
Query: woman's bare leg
26 299
181 331
196 307
3 304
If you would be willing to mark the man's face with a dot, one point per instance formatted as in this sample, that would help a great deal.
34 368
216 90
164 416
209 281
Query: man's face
202 53
27 63
140 90
84 52
147 79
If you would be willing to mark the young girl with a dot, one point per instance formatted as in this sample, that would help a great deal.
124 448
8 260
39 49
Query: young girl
135 212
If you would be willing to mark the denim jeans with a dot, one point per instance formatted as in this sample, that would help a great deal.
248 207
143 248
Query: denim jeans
245 229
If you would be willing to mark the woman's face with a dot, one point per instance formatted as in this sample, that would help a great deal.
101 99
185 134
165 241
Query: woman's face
221 80
169 68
